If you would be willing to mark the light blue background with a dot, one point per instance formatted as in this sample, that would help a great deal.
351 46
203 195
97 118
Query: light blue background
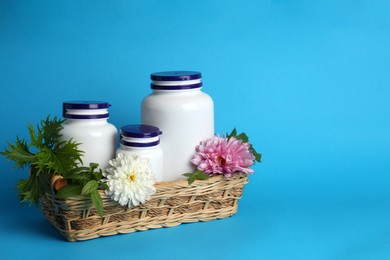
307 80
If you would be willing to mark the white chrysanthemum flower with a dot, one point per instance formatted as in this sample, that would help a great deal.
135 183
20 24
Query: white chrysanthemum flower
130 179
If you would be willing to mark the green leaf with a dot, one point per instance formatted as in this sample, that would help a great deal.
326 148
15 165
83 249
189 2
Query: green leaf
75 172
104 185
33 136
90 187
191 179
196 175
33 188
256 154
48 155
243 137
59 160
69 190
19 153
97 202
49 131
233 133
201 175
92 167
81 178
66 156
96 174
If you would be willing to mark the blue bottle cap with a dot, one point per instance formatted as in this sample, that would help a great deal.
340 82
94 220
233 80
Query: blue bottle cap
175 75
179 77
84 105
140 131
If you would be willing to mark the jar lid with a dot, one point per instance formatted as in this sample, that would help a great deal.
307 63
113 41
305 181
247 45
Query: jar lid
85 109
140 131
85 105
175 75
176 80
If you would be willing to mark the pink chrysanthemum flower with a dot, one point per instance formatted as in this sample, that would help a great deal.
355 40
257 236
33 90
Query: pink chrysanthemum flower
218 155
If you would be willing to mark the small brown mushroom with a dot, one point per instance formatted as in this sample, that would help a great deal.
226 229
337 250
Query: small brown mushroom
58 182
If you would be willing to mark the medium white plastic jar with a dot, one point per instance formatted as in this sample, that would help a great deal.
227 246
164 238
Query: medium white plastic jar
183 113
143 140
86 123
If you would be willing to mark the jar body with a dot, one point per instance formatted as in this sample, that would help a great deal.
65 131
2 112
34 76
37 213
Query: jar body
185 117
97 139
154 154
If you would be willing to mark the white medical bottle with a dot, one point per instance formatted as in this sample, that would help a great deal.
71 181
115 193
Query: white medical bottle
184 114
86 123
143 140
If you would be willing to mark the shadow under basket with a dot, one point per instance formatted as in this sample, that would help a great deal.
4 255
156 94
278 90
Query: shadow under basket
174 203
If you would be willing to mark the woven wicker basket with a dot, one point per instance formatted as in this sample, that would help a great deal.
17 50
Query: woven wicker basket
174 203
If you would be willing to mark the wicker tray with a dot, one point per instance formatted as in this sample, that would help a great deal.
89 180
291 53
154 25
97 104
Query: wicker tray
174 203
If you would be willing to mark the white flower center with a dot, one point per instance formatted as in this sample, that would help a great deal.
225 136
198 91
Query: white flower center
131 177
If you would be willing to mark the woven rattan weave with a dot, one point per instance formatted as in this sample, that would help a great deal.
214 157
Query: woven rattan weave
174 203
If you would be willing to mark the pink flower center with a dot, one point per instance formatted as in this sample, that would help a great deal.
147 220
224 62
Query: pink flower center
221 160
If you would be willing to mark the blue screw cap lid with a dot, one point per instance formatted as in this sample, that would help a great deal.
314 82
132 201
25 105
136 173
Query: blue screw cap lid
85 105
140 131
175 75
159 80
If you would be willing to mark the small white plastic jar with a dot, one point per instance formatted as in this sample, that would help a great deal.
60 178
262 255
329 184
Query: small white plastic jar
145 141
86 123
184 114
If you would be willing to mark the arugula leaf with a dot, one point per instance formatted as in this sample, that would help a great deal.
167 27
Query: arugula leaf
33 188
47 157
65 156
34 139
49 131
19 153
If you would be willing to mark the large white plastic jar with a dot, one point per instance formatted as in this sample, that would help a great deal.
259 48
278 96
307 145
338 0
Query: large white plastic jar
143 140
183 113
86 123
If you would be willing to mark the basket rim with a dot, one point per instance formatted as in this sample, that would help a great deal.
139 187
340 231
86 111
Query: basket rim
164 186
